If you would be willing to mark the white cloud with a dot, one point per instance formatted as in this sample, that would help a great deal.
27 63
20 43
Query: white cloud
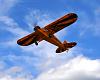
37 18
88 20
97 23
2 65
6 5
13 28
8 77
79 68
15 73
89 25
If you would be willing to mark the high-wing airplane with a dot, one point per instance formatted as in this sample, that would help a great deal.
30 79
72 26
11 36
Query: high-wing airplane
47 34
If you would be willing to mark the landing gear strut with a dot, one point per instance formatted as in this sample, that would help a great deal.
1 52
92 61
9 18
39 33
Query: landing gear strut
49 35
36 43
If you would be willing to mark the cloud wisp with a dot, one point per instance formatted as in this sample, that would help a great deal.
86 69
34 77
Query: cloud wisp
6 5
79 68
89 19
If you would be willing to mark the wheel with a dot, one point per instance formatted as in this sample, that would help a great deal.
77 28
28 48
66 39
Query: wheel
36 43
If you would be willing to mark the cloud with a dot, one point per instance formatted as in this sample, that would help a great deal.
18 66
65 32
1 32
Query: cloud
11 26
15 73
86 25
2 65
6 5
97 24
79 68
89 19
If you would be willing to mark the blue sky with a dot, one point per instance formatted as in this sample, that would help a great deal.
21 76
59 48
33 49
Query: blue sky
41 62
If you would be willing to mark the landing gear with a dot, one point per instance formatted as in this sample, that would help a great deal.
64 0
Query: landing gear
36 27
36 43
49 35
67 50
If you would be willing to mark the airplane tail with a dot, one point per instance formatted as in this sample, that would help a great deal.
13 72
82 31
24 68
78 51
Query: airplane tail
66 46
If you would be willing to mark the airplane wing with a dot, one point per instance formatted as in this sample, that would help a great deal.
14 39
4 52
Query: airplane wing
50 29
61 23
29 39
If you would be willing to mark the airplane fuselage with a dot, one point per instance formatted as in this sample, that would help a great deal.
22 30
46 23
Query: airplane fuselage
47 33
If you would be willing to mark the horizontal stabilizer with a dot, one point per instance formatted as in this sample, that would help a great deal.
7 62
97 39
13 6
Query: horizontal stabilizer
66 46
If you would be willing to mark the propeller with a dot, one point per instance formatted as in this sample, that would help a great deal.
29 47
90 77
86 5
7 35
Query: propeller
35 23
33 20
36 27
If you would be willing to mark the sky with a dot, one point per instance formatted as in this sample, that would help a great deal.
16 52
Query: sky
17 18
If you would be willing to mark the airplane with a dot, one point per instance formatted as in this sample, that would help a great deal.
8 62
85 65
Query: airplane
47 34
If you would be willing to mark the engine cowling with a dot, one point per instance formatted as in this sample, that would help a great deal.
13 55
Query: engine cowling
36 27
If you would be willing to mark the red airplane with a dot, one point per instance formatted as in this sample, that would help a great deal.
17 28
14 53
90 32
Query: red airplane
47 34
